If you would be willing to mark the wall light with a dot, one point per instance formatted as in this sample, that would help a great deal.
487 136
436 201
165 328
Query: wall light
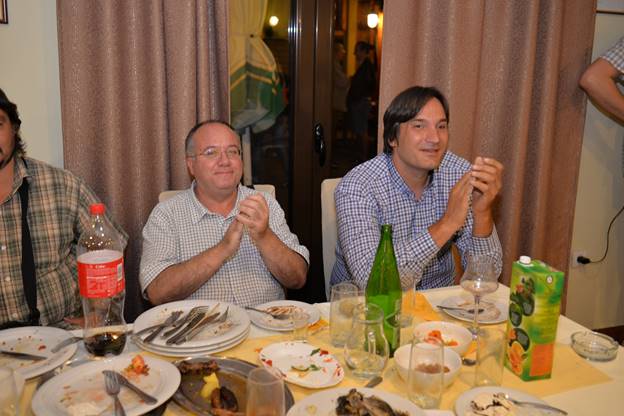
372 20
273 21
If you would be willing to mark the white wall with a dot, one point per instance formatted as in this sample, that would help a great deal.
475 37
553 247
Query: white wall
29 75
596 292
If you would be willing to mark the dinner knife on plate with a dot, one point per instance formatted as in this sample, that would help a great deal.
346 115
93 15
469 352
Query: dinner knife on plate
23 355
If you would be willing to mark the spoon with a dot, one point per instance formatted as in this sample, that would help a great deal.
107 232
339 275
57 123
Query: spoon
374 381
272 315
454 308
502 395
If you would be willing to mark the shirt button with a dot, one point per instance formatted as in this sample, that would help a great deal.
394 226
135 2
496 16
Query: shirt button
3 247
7 279
15 315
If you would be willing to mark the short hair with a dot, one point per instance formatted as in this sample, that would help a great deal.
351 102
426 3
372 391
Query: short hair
363 46
11 109
189 143
405 107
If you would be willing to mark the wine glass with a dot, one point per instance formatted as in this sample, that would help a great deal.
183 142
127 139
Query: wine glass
265 393
479 278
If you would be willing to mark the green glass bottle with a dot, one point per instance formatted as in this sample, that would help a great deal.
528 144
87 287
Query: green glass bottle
384 287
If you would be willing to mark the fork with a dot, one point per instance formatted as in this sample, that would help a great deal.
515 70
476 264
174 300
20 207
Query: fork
198 314
280 317
168 322
180 323
202 324
112 389
542 406
125 382
457 308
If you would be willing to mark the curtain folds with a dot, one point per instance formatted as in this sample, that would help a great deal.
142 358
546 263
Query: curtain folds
135 77
510 71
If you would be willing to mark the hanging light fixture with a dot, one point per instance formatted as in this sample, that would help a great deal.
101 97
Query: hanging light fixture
273 21
372 20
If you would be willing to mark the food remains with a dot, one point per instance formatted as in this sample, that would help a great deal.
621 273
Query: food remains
437 335
354 403
431 368
200 368
137 367
486 404
222 400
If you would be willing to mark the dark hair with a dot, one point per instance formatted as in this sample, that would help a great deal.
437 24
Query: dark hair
405 107
11 110
363 46
189 143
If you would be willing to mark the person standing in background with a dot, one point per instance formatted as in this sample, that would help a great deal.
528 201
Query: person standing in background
340 89
600 81
362 90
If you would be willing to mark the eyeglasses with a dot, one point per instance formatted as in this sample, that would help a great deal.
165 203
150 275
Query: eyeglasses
214 153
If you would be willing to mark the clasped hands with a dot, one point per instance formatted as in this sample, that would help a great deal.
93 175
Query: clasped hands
254 215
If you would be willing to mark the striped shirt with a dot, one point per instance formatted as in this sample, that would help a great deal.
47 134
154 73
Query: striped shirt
373 194
58 212
615 56
181 228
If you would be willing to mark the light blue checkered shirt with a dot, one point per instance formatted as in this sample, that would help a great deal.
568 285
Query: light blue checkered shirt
615 56
181 227
374 193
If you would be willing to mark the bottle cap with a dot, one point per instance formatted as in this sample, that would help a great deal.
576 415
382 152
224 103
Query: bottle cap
97 209
525 260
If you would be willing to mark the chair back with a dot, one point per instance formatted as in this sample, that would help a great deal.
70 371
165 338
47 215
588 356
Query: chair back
270 189
329 228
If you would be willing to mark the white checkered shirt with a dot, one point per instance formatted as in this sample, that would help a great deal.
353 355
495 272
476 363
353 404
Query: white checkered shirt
615 56
181 228
374 193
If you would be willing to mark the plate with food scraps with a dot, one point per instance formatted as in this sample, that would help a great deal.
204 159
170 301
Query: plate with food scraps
495 311
481 401
282 307
325 403
202 376
191 352
81 390
36 340
237 323
303 364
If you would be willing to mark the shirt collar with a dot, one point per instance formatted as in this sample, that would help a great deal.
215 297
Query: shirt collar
200 210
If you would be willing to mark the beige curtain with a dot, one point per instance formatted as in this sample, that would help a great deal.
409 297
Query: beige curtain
510 71
135 77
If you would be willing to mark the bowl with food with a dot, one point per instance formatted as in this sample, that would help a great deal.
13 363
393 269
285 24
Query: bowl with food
452 364
454 337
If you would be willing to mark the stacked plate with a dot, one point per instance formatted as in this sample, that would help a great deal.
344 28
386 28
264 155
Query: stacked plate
213 337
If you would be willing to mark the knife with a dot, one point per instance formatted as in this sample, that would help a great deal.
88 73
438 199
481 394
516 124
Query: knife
194 321
208 319
23 355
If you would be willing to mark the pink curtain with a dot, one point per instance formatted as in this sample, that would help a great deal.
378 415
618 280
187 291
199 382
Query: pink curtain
135 77
510 71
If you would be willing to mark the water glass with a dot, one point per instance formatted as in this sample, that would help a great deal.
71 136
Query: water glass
300 321
265 393
343 299
491 343
9 399
425 377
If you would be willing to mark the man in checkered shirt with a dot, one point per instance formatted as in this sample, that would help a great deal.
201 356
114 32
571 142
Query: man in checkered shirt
431 197
600 80
218 239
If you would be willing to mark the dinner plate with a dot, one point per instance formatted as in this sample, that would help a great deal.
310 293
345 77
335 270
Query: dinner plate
324 402
496 311
266 322
81 390
462 404
206 337
232 374
38 340
303 364
211 349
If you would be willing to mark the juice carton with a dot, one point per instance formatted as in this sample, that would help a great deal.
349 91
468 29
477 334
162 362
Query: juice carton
534 305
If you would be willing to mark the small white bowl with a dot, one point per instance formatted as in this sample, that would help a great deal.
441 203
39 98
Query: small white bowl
452 360
450 331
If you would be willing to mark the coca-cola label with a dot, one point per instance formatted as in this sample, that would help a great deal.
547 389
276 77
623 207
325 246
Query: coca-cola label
101 273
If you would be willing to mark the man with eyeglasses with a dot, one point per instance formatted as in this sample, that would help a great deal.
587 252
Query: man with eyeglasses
218 239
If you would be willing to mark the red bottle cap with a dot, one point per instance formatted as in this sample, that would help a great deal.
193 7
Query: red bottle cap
97 209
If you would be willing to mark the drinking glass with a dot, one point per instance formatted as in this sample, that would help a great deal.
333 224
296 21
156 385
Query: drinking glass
491 343
300 321
425 376
366 350
408 286
265 393
343 299
9 399
479 279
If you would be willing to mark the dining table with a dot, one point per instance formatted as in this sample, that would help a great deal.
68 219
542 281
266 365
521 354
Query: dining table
578 386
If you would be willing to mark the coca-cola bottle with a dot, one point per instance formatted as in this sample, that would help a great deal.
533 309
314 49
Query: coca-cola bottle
102 285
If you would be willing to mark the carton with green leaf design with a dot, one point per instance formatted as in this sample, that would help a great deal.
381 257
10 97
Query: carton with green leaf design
534 305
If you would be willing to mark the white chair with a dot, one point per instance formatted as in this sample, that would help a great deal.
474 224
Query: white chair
270 189
329 228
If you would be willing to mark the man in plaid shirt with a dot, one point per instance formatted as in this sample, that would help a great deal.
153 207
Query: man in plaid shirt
600 80
431 197
218 239
57 213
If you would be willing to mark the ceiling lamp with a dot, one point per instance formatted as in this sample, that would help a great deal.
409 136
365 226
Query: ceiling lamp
273 21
